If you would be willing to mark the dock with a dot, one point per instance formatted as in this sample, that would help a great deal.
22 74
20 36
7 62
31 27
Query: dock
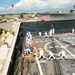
6 52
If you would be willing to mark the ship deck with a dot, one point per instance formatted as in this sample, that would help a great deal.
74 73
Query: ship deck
52 67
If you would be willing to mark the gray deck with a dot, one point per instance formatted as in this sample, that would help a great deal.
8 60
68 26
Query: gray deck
67 67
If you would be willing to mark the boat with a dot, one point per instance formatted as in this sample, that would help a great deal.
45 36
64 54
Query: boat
29 64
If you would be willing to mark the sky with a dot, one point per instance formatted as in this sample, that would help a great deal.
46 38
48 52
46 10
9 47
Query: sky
28 6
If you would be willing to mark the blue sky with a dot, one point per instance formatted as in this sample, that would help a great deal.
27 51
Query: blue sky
35 5
8 2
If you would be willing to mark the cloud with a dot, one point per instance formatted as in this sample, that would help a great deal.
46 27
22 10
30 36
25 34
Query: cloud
41 5
2 8
34 5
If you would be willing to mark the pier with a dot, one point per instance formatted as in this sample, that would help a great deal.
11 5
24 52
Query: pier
5 51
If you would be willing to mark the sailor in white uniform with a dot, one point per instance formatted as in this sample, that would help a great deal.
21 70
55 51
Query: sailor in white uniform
50 33
41 54
40 34
27 40
28 34
62 54
53 31
73 30
46 35
50 55
30 38
27 51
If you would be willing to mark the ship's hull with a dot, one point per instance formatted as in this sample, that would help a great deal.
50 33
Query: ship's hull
58 17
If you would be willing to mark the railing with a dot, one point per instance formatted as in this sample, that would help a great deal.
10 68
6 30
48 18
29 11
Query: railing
61 31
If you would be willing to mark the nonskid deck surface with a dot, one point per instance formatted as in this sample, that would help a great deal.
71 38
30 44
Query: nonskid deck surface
52 67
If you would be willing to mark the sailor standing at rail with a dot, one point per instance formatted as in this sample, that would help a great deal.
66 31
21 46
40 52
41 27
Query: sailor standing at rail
53 31
28 34
30 38
73 30
62 54
50 33
27 40
45 34
41 54
50 55
40 34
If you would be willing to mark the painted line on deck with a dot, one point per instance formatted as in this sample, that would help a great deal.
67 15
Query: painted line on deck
38 63
45 47
42 61
65 48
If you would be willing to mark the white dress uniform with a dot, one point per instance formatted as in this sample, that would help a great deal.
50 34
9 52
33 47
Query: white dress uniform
27 40
53 31
46 34
50 33
27 51
30 38
40 34
50 55
73 30
63 54
41 54
28 34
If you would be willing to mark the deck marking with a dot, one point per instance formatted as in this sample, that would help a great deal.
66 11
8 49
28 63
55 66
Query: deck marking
42 61
64 48
46 40
53 47
45 47
68 38
73 74
41 41
36 41
50 47
38 63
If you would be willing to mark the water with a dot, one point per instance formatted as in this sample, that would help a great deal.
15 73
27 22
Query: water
46 26
60 27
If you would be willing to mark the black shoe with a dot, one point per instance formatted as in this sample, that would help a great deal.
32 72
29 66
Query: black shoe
65 59
39 59
34 55
44 58
60 59
49 59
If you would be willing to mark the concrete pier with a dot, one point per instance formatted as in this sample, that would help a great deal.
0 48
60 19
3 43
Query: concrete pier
5 51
